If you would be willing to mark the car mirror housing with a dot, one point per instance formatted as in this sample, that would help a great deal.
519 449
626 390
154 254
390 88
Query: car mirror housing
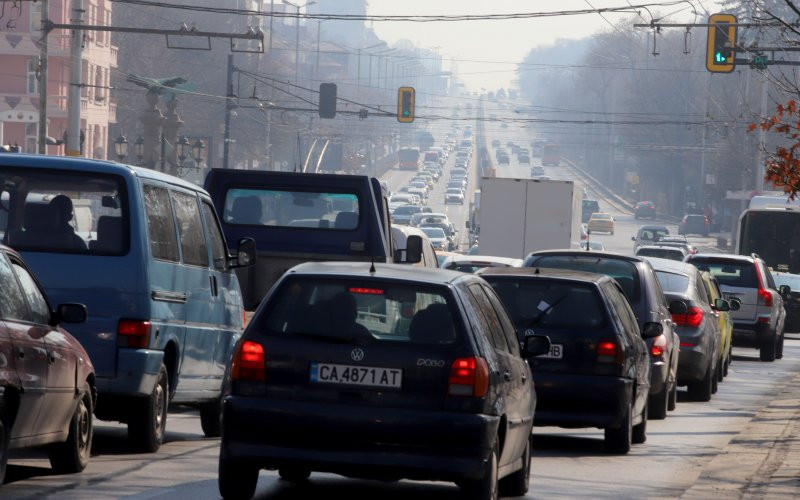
785 291
69 313
633 238
678 307
652 330
413 249
722 305
536 345
245 254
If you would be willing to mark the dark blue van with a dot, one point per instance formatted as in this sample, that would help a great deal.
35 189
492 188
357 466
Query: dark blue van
145 253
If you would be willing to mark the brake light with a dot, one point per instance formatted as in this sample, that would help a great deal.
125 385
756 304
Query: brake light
248 362
693 318
133 333
608 352
764 298
367 291
688 344
658 347
468 377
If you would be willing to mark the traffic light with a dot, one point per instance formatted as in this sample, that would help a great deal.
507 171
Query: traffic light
720 53
327 100
405 104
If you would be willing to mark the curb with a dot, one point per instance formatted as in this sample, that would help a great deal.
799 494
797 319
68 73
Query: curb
762 461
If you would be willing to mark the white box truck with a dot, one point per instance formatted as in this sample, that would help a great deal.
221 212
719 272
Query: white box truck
520 216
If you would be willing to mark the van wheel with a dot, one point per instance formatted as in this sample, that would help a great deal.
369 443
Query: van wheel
517 483
768 348
700 390
237 480
485 488
658 403
619 440
149 419
72 455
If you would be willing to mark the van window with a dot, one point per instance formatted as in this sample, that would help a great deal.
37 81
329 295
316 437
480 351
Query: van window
63 211
279 208
160 224
190 230
218 253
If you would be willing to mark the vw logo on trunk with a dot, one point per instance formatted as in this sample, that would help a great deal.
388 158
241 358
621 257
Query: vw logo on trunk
357 354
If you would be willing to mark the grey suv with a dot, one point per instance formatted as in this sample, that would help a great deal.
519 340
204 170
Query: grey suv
760 320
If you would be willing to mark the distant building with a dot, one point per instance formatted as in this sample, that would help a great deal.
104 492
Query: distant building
349 33
19 85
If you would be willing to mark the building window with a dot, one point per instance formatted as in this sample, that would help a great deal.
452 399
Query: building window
35 16
99 91
33 81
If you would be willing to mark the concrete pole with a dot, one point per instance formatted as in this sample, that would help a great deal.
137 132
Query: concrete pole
74 101
316 66
42 146
152 120
297 48
762 136
170 128
226 145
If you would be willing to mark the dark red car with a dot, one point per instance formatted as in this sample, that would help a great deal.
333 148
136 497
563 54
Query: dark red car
47 391
645 209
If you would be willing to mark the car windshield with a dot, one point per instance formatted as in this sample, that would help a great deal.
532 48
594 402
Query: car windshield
652 234
729 272
623 271
550 303
672 282
357 310
453 191
407 210
601 217
433 232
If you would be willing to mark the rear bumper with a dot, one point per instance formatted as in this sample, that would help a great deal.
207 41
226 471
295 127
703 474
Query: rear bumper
575 401
359 442
137 370
750 334
692 364
659 373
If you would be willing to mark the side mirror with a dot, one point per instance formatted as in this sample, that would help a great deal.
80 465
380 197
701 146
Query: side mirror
721 305
678 307
735 304
588 232
69 313
536 345
785 291
633 238
245 254
413 249
467 224
652 330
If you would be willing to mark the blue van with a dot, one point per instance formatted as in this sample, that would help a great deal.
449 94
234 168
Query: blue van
145 253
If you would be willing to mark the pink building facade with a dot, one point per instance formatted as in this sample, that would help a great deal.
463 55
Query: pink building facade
19 81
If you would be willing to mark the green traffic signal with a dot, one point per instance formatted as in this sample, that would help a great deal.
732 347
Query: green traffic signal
720 58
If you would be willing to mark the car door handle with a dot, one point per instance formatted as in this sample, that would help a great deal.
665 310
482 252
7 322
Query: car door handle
524 378
20 352
507 376
51 357
214 289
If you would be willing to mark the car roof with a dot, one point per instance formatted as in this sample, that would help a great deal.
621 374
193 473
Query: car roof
482 259
724 256
393 271
672 266
662 247
653 227
544 272
583 253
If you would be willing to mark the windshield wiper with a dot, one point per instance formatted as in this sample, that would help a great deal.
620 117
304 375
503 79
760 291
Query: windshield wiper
535 321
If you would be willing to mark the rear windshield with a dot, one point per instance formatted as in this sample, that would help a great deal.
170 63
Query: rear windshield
407 210
671 282
662 253
590 205
356 311
792 280
279 208
652 234
552 304
622 271
63 211
731 273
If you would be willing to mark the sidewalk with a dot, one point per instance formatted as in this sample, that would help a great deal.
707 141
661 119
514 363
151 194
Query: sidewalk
762 461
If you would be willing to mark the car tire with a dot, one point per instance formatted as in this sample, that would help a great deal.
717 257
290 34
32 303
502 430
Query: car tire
779 348
715 379
487 487
211 412
639 431
72 455
768 348
659 403
149 420
517 483
294 474
720 370
237 480
619 440
5 439
673 398
700 390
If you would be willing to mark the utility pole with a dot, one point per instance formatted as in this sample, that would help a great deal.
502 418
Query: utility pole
762 136
702 194
73 147
226 146
42 77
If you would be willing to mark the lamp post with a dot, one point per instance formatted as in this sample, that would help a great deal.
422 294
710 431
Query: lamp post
121 148
198 151
138 150
297 35
183 147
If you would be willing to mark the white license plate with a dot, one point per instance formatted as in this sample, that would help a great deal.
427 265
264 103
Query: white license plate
556 352
371 376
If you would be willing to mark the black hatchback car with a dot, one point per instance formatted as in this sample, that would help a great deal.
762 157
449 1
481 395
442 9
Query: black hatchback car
387 372
597 372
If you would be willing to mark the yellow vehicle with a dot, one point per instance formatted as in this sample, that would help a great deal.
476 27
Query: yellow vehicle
725 324
601 222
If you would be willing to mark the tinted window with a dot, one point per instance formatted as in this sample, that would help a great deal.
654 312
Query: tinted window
731 273
765 272
160 224
661 253
623 271
495 339
64 212
498 338
348 310
216 240
39 311
12 301
673 283
276 208
190 229
623 313
550 303
508 328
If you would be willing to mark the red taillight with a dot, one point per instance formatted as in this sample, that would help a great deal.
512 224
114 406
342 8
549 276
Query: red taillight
693 318
133 333
367 291
688 344
659 346
248 362
764 297
468 377
608 352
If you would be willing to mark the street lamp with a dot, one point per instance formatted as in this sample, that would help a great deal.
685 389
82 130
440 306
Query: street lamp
138 149
198 151
183 146
297 34
121 147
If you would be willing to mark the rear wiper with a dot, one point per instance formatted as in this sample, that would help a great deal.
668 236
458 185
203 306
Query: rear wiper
535 321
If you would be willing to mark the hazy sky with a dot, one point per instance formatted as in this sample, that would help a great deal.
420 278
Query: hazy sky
507 41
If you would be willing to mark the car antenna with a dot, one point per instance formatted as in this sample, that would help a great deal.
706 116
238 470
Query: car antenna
372 265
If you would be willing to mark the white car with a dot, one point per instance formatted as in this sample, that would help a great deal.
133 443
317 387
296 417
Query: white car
437 237
422 193
454 195
398 200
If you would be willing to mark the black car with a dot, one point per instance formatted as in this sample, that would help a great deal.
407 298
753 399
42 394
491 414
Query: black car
694 224
588 207
792 302
645 209
382 372
596 373
640 285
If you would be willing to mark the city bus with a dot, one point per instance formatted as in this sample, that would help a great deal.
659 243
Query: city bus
772 232
408 159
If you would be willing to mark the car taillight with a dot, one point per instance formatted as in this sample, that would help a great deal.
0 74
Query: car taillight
608 352
693 318
688 344
659 346
133 333
764 298
468 377
248 362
